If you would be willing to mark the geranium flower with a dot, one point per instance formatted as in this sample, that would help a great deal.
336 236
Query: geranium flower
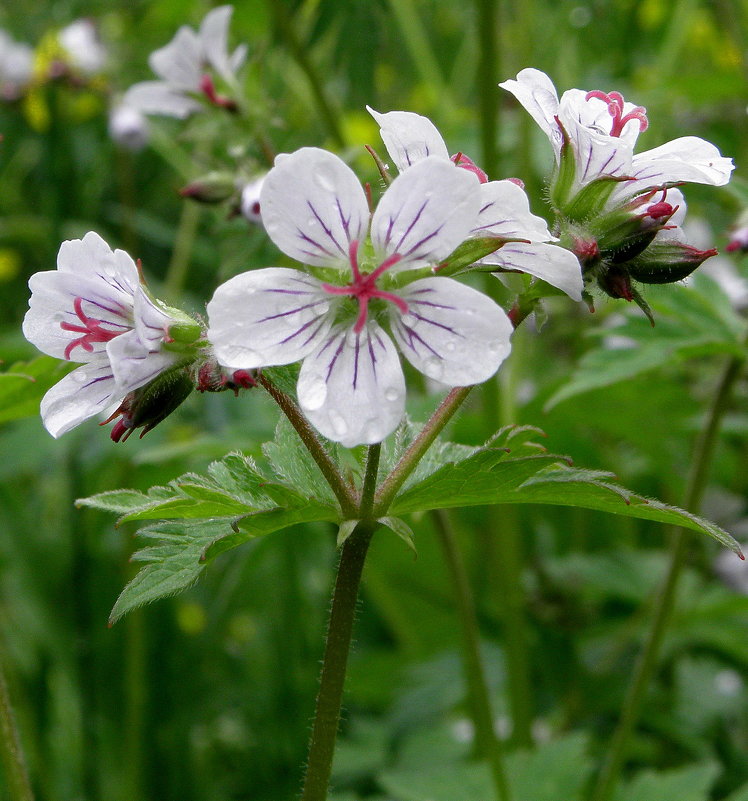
187 67
504 207
93 309
16 66
602 129
351 385
80 42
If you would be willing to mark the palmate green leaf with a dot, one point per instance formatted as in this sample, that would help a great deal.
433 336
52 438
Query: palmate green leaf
493 477
684 784
24 383
173 564
692 321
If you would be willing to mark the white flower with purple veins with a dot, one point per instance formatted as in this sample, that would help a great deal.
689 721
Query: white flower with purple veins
351 385
602 130
93 309
504 208
187 68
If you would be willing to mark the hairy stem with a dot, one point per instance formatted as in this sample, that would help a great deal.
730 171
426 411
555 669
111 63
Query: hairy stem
479 694
409 460
666 596
337 646
316 449
12 755
370 481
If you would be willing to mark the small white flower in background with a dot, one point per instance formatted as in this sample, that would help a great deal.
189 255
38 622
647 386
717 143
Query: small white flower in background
128 127
602 130
187 67
16 66
81 44
351 385
250 200
504 207
93 309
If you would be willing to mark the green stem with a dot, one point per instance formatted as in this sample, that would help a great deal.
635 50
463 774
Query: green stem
12 755
284 25
666 596
337 647
488 69
409 460
176 275
315 447
370 481
479 694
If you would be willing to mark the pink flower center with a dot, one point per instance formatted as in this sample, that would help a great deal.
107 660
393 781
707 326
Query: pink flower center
364 287
207 87
615 109
91 330
461 160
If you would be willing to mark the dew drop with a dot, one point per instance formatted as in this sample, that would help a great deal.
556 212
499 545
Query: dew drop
409 320
496 346
351 338
315 394
78 376
339 425
324 180
312 222
391 394
450 347
469 311
433 367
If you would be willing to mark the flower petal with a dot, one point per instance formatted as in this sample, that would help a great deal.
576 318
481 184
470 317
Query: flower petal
505 212
688 158
214 34
555 265
267 317
151 322
426 212
81 394
93 258
133 364
157 97
409 137
313 206
536 92
451 332
352 388
179 63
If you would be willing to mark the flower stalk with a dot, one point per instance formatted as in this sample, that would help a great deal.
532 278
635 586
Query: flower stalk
10 745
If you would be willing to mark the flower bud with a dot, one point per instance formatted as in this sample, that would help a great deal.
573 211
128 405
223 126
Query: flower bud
214 187
667 261
211 377
148 405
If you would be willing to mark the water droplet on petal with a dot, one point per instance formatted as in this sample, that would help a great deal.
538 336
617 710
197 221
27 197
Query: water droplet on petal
391 394
339 425
324 180
433 367
469 311
315 394
351 338
496 346
450 347
78 376
408 320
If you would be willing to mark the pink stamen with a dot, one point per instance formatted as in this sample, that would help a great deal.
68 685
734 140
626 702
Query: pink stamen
615 109
364 288
91 330
207 87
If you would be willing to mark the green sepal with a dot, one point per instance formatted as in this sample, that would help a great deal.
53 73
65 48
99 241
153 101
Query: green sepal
667 262
565 174
402 529
472 250
590 200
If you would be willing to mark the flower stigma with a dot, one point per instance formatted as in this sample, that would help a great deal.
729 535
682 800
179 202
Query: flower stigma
615 109
91 330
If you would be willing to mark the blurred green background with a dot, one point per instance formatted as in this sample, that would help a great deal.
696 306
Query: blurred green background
209 695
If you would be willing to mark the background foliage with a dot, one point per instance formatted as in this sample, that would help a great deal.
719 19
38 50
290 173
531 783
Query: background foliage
209 695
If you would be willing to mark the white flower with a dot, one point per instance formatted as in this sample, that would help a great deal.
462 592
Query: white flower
16 66
184 67
81 44
93 310
504 207
250 200
351 385
602 130
128 127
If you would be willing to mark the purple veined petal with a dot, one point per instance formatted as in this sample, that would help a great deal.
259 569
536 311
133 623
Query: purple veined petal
214 34
313 207
688 158
87 391
352 388
179 62
555 265
91 257
409 137
426 212
151 322
66 309
505 211
536 92
133 364
158 97
268 317
452 333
